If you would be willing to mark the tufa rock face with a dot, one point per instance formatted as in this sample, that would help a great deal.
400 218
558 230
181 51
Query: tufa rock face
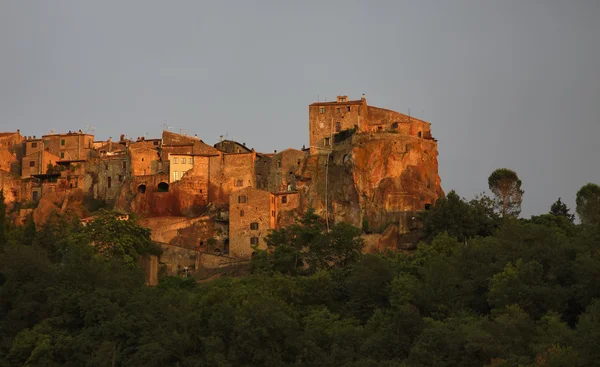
373 179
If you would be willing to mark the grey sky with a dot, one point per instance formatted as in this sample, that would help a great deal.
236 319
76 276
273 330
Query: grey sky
504 83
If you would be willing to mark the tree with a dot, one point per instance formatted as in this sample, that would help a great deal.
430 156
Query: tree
506 186
460 219
560 209
588 204
113 237
3 224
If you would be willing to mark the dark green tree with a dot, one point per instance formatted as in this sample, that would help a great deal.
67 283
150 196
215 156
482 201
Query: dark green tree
3 222
560 209
588 204
506 187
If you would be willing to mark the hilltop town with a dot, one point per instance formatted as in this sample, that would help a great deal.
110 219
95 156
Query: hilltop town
369 166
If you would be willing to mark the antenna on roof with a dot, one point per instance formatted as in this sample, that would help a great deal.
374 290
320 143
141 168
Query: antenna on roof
409 115
90 128
318 97
166 127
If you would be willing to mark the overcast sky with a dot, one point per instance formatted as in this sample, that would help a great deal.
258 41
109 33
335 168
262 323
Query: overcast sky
504 83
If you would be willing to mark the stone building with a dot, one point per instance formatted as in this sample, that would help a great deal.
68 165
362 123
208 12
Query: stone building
230 146
179 164
251 216
328 119
73 146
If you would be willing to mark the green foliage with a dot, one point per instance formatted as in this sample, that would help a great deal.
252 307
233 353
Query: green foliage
560 209
3 222
116 238
462 220
521 293
506 186
588 204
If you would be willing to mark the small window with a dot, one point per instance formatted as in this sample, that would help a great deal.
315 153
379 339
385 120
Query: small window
109 182
175 160
278 164
395 125
343 100
379 128
326 142
241 213
62 142
348 108
191 160
34 145
254 240
183 160
272 213
106 166
124 165
284 199
338 127
273 199
175 176
31 163
242 199
120 178
420 134
254 226
142 159
337 109
156 143
62 154
321 110
239 183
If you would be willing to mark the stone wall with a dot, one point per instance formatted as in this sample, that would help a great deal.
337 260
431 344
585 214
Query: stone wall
230 173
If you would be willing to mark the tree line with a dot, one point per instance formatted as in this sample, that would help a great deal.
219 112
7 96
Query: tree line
485 288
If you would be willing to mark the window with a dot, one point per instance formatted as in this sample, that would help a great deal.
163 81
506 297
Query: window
124 165
31 163
106 166
156 143
109 182
278 164
34 145
62 142
284 199
242 199
326 142
273 199
379 128
338 127
175 160
142 159
348 108
254 240
395 125
181 174
191 160
62 154
175 176
321 110
183 160
120 178
337 109
241 213
239 183
344 99
254 226
420 134
272 213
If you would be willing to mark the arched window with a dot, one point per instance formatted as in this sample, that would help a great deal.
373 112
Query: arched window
141 189
163 187
338 127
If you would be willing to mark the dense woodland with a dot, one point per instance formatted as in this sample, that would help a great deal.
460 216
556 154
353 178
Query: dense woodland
483 289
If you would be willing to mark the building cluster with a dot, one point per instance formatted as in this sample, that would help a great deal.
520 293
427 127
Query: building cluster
180 175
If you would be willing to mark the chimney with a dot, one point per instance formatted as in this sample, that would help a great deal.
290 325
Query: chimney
110 144
122 138
364 97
